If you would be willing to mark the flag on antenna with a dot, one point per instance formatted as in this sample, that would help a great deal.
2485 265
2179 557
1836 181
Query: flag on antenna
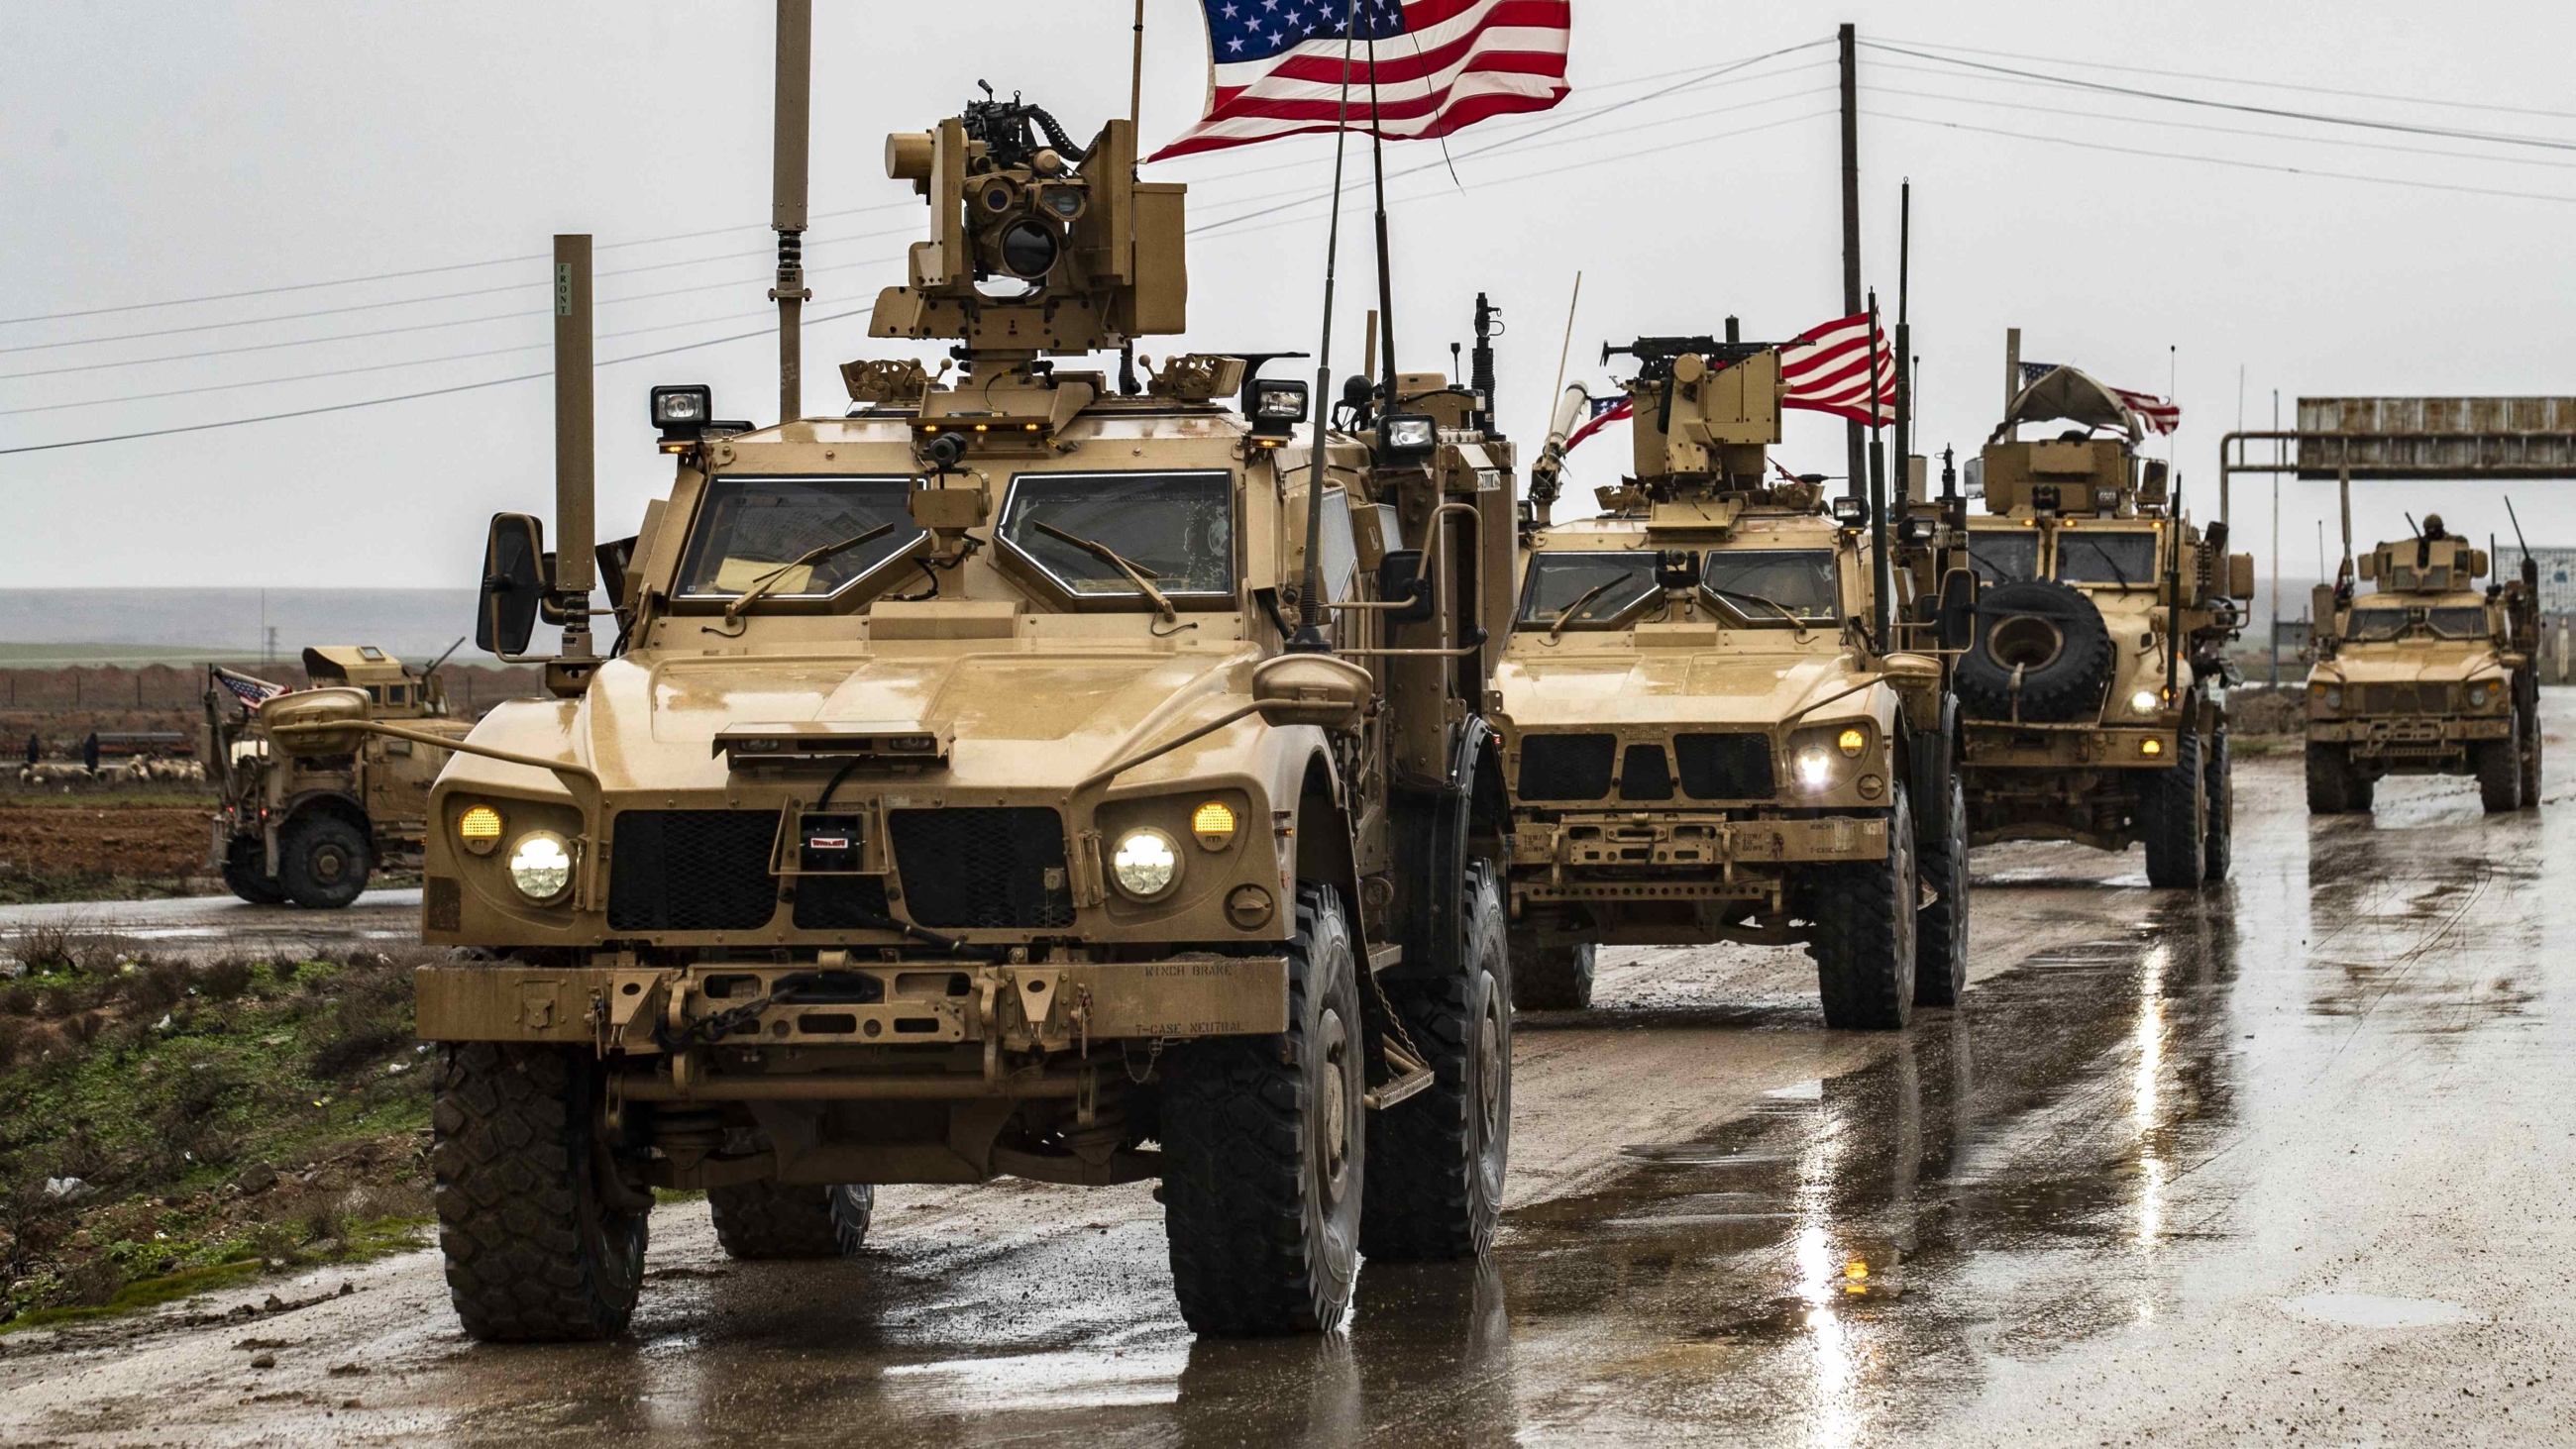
1829 369
2160 414
1604 412
1275 67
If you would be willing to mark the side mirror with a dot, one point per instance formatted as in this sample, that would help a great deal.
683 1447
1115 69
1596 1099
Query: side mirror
1911 669
316 721
2321 611
2240 576
514 584
1312 689
1399 577
1958 617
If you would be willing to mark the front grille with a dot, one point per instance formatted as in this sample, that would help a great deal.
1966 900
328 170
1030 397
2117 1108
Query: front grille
1644 775
840 902
2405 699
1725 767
692 870
994 867
1566 767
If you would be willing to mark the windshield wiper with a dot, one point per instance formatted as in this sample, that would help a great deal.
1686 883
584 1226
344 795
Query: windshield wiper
761 585
1566 615
1137 574
1785 611
2002 567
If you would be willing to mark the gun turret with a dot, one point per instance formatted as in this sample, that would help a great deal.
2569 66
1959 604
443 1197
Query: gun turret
1656 355
1706 409
1035 246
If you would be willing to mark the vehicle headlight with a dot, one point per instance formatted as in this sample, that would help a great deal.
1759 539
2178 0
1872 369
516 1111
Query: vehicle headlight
1815 767
540 865
1851 742
1407 433
1146 864
479 829
2478 696
2331 697
2143 702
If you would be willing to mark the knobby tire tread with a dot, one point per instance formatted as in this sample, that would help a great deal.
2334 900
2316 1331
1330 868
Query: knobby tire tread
1425 1201
2170 817
757 1221
1863 957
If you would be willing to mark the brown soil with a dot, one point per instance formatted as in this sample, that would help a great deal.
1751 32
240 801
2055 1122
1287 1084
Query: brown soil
41 843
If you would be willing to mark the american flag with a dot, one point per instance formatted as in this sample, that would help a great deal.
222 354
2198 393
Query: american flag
2161 414
1827 369
1275 67
1605 411
251 692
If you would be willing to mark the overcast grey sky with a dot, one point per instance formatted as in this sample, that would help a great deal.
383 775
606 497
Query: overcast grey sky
153 152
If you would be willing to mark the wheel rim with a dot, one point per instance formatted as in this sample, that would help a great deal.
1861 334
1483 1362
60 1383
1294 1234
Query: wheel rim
1489 1068
1333 1130
328 864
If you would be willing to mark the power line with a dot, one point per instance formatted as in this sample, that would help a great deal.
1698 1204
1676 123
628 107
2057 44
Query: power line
2449 132
2227 161
424 271
413 396
410 301
2214 130
2244 81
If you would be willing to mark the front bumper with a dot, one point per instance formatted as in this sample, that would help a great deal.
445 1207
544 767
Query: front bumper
1984 745
639 1012
1647 855
2408 733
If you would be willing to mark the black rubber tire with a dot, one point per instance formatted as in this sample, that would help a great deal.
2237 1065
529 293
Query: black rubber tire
1864 945
1437 1159
534 1252
245 872
1265 1140
2173 815
2531 762
2218 849
1941 928
1551 978
323 861
2499 767
2064 685
776 1220
2329 780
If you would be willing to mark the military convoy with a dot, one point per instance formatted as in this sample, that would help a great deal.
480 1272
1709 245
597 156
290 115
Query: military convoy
2094 684
1019 775
313 828
2426 675
1713 727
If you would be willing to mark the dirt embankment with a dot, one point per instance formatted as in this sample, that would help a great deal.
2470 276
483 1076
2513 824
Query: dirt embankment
56 847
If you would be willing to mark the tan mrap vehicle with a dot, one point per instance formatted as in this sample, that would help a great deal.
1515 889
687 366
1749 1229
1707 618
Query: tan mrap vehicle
2093 688
312 828
1706 738
2428 675
1014 777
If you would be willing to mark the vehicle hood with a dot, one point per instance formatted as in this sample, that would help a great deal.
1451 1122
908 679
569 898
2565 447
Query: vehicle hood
1677 688
2409 666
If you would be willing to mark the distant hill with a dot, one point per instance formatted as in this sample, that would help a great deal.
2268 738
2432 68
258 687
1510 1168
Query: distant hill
53 627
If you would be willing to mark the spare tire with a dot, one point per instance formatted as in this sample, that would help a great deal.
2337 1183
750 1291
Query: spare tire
2052 637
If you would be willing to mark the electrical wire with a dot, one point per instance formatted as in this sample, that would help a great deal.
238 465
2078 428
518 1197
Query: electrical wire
2502 138
2214 130
2241 80
430 271
2228 161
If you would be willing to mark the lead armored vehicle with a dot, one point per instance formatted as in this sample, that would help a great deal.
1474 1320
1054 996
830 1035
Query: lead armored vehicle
1711 730
2094 685
1017 776
313 828
2426 675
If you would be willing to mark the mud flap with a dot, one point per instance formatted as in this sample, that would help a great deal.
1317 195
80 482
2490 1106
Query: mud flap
1933 758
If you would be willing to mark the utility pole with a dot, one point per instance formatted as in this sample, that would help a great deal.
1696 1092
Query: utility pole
2276 581
794 92
1855 437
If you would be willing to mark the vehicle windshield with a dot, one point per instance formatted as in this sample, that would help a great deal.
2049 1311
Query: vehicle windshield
1615 582
2376 625
1175 528
2458 621
2003 558
1800 581
748 527
2085 557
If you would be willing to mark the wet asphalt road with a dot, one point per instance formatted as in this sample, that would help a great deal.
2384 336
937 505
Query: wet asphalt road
204 925
2286 1162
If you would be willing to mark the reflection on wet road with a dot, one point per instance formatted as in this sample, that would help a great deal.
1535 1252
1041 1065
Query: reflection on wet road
2282 1162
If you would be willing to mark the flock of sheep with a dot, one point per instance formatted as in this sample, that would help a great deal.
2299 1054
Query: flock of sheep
142 769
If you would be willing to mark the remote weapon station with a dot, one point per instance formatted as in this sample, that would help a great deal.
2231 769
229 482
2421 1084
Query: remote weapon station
1023 774
1713 727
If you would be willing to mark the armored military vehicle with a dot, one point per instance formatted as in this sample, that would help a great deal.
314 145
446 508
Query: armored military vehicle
1713 727
1017 776
312 828
2094 682
2426 675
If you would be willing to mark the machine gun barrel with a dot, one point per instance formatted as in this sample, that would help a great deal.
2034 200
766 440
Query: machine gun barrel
1655 354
